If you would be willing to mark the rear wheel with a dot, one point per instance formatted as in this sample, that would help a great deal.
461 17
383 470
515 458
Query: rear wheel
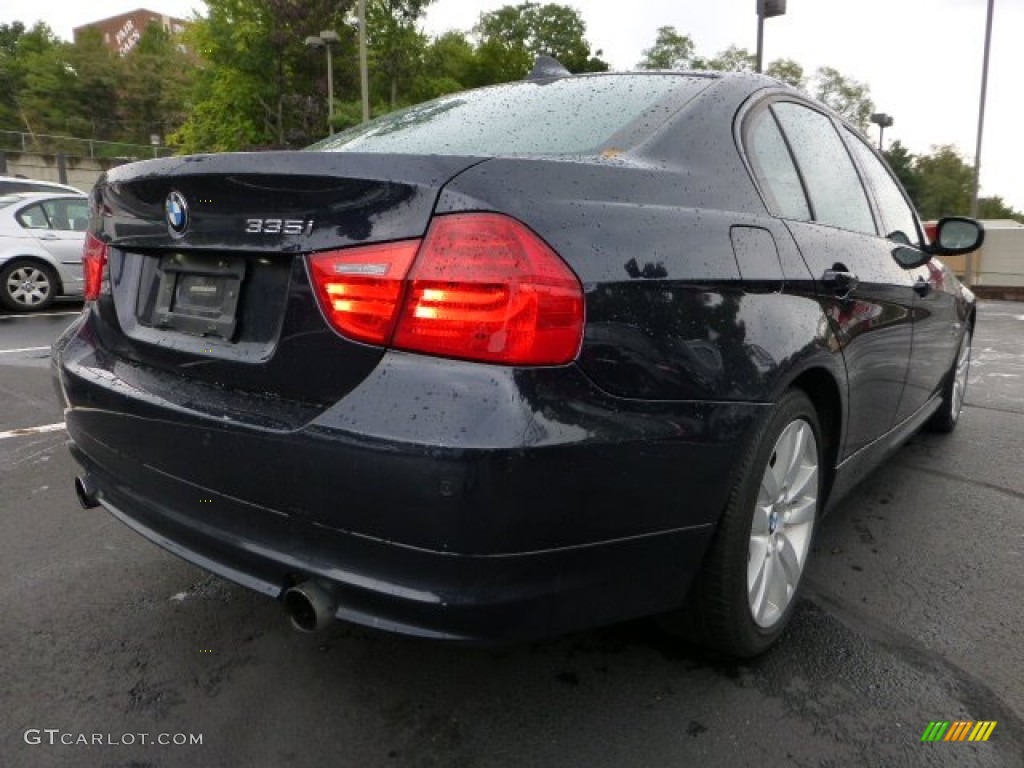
27 285
746 591
955 389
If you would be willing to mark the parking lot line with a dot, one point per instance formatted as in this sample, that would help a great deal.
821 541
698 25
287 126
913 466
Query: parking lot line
31 430
39 314
22 349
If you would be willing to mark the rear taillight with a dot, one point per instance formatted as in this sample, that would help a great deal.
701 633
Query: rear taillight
94 263
360 288
481 286
484 287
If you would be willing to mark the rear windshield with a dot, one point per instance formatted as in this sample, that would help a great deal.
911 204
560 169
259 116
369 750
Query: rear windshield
570 116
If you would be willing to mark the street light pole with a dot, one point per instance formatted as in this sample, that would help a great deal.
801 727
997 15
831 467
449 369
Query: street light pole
766 9
364 80
327 38
883 121
981 129
759 68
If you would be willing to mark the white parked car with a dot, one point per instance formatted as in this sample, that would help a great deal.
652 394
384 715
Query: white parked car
41 236
9 184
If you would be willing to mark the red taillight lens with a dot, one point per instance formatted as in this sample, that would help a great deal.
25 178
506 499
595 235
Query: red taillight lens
485 287
94 263
360 288
481 287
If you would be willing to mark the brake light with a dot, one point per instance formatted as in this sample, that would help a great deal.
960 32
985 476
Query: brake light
485 287
360 288
479 286
94 263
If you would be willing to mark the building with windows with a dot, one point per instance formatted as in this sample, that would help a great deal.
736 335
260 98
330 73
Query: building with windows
122 32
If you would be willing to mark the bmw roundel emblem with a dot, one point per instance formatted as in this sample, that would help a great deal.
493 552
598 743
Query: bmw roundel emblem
176 210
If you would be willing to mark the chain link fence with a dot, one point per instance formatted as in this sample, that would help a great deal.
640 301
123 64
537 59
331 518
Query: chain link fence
20 141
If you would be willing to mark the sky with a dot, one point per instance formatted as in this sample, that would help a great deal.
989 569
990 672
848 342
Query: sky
921 58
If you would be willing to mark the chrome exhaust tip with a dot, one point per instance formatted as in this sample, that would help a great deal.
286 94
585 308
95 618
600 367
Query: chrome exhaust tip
87 492
310 607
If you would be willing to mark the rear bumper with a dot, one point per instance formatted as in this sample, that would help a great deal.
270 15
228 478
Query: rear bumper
413 591
430 509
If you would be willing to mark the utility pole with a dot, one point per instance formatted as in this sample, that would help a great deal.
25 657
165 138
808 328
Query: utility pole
981 129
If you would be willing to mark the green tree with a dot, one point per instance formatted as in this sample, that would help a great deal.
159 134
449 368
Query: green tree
255 83
995 207
11 75
43 72
848 97
153 89
450 64
945 183
395 46
671 50
732 59
903 164
511 37
92 76
788 71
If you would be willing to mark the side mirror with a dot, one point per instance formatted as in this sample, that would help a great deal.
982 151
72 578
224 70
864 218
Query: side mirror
911 258
957 234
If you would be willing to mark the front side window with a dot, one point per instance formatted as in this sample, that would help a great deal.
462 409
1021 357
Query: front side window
836 193
68 215
774 169
898 220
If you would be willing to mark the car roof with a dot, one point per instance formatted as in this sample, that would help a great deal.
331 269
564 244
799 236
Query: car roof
48 184
42 195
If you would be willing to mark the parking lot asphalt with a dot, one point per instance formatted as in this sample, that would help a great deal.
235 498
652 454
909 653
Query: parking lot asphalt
912 613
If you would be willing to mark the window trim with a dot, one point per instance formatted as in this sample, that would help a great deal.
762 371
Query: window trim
850 134
758 103
748 158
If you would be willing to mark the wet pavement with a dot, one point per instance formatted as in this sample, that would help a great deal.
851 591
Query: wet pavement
912 613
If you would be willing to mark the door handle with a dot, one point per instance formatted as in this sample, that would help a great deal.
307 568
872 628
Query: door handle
49 236
841 281
922 287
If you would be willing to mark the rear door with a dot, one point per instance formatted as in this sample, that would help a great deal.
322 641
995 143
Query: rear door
59 227
867 297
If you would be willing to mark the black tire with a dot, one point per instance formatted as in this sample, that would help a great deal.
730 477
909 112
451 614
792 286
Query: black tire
719 612
18 273
954 390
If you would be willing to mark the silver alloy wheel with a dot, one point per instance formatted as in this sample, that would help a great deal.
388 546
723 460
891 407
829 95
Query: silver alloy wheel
28 286
963 365
780 533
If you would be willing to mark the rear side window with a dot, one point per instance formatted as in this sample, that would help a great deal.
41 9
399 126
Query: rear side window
836 193
34 217
570 116
774 169
898 218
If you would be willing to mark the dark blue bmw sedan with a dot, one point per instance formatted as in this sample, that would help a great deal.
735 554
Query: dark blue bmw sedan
517 361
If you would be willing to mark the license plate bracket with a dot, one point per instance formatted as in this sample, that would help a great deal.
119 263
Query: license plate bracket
198 294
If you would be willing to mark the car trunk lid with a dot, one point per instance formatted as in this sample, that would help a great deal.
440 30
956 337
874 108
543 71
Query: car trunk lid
207 261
